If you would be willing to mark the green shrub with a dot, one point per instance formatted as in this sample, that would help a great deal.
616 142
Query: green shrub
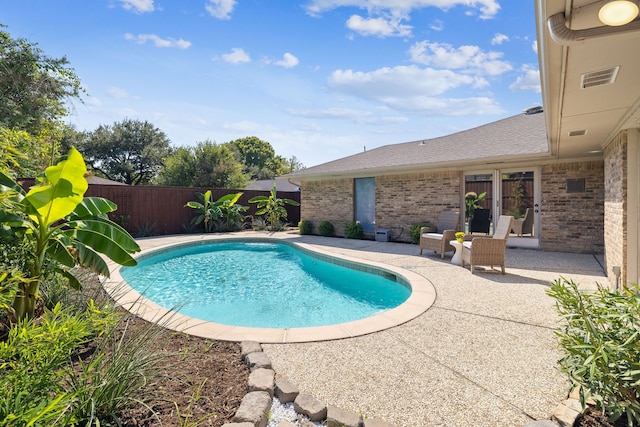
35 357
353 230
305 227
325 228
601 345
414 231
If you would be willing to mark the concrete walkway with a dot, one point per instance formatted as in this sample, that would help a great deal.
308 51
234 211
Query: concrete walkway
483 355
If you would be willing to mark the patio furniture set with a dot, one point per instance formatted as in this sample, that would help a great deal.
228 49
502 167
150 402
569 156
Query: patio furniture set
473 250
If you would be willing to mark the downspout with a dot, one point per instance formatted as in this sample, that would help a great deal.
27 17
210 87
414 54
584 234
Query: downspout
565 36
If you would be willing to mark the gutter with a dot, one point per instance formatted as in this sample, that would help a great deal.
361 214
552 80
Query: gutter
565 36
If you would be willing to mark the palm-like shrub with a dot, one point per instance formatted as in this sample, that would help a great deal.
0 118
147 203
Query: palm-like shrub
272 207
601 345
224 214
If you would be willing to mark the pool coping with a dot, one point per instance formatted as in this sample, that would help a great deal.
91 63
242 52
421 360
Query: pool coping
422 297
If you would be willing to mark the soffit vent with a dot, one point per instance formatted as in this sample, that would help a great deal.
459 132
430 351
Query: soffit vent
578 132
599 78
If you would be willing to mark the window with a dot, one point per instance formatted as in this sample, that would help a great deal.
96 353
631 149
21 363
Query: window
365 203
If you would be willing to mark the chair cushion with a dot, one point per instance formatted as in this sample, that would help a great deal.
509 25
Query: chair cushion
466 244
436 236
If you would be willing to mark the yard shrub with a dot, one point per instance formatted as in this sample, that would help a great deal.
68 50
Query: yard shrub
601 345
353 230
33 362
414 231
272 207
305 227
224 214
325 228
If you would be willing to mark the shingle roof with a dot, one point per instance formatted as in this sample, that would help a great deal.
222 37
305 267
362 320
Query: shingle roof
267 185
517 137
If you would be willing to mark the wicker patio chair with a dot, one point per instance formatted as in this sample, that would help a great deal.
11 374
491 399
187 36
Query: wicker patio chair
524 225
439 241
488 250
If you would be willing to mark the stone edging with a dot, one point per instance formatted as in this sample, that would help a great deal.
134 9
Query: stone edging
263 385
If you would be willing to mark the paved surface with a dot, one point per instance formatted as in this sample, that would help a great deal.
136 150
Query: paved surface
483 355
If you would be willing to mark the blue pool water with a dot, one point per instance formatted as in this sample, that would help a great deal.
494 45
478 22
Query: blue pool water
264 285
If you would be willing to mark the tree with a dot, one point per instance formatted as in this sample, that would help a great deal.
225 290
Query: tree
130 151
33 86
206 165
256 155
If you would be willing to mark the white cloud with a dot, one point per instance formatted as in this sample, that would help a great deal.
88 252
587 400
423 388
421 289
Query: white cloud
534 46
288 61
465 58
357 116
116 92
381 27
158 41
499 38
236 56
437 25
397 81
530 80
138 6
220 9
411 88
487 8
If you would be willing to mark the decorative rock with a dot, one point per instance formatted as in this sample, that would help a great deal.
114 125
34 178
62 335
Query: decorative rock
566 413
306 423
247 347
311 407
258 360
285 423
542 423
337 417
254 408
372 422
238 425
285 391
261 379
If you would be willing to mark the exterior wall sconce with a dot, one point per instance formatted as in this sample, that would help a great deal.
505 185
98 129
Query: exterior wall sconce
618 12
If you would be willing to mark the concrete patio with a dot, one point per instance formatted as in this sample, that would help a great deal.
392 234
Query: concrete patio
483 355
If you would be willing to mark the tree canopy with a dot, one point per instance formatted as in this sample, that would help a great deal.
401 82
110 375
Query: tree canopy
207 164
34 87
260 160
130 151
34 91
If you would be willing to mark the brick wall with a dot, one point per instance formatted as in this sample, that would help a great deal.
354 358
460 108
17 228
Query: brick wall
327 200
615 205
572 222
402 200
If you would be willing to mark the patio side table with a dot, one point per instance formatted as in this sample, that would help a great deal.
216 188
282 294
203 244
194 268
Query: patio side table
457 256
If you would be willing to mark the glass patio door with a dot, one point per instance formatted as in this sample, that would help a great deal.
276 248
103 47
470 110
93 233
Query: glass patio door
514 192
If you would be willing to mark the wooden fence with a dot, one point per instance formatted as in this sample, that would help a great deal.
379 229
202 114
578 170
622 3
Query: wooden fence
155 210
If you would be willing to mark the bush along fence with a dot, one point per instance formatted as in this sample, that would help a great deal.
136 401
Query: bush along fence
155 210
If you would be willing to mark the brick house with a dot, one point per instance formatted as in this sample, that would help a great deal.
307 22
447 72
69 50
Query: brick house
575 163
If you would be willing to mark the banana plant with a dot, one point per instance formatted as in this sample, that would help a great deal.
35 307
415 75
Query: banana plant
273 208
223 214
62 229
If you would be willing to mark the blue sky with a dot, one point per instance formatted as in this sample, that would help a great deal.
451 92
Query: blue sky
318 79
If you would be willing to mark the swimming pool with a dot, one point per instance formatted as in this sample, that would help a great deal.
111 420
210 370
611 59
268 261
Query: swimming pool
264 284
420 299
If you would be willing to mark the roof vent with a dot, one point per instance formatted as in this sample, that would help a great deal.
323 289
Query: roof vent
533 110
599 78
578 132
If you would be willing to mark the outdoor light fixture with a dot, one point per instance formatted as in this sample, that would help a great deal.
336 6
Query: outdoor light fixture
618 12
